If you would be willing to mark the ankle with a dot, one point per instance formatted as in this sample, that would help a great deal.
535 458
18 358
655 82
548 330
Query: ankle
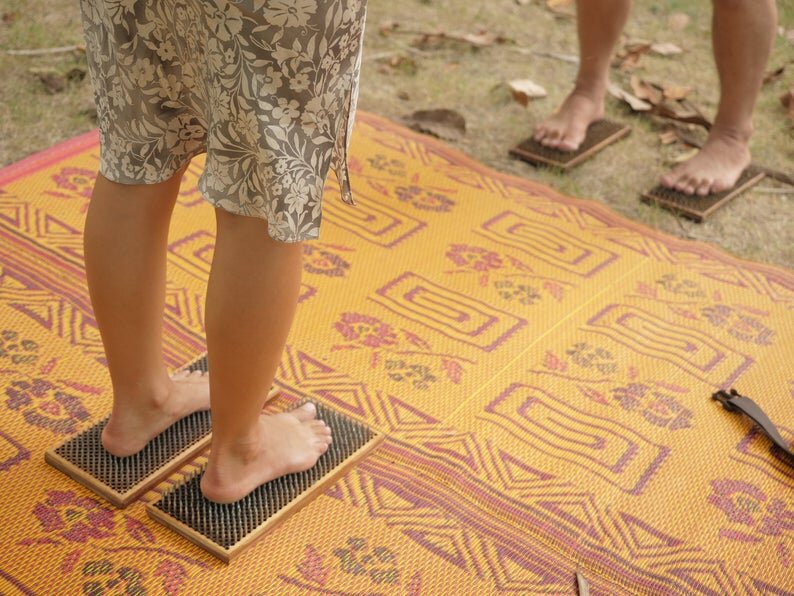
152 394
241 449
592 90
732 134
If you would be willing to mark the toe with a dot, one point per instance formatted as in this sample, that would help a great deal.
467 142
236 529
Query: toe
682 185
307 411
703 188
568 144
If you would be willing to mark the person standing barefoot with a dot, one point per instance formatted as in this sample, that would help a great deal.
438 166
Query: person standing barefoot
742 34
267 91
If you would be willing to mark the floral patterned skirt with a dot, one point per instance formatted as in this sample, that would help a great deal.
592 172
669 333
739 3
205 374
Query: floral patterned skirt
267 88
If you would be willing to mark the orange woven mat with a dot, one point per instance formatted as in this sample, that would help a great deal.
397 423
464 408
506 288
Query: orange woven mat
542 367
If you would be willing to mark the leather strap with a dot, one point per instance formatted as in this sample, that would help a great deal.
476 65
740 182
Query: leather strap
733 401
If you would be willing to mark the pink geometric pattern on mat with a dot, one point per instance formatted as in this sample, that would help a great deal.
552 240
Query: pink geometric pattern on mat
307 374
487 519
691 350
544 241
448 312
544 422
373 221
11 452
755 450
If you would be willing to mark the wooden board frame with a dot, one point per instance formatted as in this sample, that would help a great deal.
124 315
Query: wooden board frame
300 501
57 458
699 208
600 134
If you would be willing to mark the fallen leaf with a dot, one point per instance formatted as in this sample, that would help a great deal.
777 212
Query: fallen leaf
524 89
561 8
9 17
481 39
387 27
668 137
647 91
76 74
787 99
53 81
675 92
688 136
666 49
637 104
774 75
629 58
686 155
400 64
441 123
681 110
678 21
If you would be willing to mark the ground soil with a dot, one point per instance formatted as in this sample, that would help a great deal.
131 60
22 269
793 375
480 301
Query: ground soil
400 76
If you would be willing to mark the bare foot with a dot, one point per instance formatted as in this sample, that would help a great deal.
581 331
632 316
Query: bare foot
288 442
566 128
715 168
130 429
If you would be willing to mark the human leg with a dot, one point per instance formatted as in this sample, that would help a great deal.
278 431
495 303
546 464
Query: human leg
742 32
125 240
251 300
599 25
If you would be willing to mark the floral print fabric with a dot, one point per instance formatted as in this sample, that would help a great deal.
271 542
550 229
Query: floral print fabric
267 88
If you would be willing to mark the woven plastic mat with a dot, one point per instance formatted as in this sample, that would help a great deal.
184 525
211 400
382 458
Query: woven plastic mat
541 367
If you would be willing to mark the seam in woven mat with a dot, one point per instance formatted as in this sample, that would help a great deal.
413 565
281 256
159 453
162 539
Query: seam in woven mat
540 337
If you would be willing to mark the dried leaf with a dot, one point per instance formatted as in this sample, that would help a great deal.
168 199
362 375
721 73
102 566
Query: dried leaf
53 81
668 137
787 99
76 74
676 92
482 39
682 110
678 21
686 155
646 91
524 90
629 58
774 75
399 64
387 27
637 104
441 123
665 49
9 17
688 137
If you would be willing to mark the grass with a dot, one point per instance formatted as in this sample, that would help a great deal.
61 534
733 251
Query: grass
759 226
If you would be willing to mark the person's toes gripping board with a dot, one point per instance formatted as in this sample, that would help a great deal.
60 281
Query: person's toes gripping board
697 207
121 480
227 529
600 134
